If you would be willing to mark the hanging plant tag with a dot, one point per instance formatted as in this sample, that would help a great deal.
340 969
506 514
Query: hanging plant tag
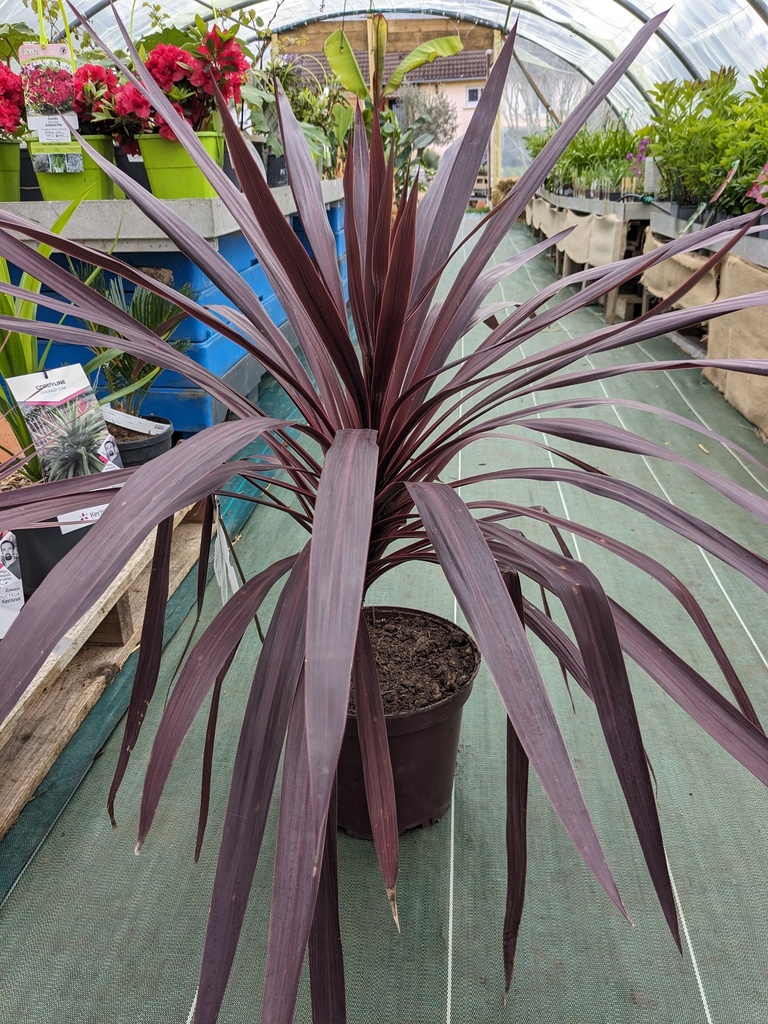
69 432
11 592
222 561
49 94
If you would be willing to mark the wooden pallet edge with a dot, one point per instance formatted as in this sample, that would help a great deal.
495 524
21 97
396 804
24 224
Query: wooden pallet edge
48 720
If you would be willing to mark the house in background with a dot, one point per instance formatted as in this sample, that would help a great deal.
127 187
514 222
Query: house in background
461 78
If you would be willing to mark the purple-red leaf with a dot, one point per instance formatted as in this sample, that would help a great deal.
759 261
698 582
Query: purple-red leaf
340 537
480 591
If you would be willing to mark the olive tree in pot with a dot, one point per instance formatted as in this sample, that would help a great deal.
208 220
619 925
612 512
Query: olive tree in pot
377 423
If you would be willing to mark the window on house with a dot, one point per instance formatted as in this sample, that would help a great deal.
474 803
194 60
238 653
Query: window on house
473 95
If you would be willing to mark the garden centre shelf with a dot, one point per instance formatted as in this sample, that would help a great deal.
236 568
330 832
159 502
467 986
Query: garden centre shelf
599 207
754 248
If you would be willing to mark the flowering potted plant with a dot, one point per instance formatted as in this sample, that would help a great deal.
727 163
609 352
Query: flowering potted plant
12 121
189 77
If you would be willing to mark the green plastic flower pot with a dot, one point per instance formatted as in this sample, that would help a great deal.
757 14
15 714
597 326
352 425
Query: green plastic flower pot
10 174
69 185
173 173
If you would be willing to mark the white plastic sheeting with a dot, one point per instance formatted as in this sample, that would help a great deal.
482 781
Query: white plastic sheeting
697 35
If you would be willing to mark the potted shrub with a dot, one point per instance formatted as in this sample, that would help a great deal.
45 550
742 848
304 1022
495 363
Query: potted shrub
127 379
360 463
210 59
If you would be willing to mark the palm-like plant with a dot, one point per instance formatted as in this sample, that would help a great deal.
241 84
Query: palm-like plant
72 436
378 420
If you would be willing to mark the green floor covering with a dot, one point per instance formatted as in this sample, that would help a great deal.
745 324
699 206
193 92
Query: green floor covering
91 934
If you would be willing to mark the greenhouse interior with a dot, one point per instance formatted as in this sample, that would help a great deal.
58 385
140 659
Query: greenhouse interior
420 621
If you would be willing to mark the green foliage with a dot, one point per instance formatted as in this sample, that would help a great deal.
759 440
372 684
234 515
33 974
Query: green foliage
73 437
437 110
596 160
689 134
128 378
19 352
11 38
340 56
318 102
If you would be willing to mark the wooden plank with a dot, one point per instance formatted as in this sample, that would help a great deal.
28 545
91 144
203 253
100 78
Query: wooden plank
67 687
404 35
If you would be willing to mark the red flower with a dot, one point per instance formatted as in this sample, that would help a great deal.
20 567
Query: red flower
95 88
11 101
168 64
129 101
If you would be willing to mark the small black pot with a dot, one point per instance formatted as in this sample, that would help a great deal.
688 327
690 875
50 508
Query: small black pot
30 189
133 168
40 550
136 453
423 745
277 172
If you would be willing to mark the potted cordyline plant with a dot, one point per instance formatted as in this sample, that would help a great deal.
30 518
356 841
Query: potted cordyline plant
376 425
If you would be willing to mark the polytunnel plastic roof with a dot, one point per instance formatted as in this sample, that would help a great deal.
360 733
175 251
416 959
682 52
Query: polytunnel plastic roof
696 37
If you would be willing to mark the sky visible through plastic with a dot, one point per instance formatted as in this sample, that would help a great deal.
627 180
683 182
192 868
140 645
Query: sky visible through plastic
698 35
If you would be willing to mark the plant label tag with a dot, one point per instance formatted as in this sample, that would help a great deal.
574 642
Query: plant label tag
68 430
11 593
47 79
222 561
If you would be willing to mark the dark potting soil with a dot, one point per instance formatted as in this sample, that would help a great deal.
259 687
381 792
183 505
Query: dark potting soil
420 660
125 434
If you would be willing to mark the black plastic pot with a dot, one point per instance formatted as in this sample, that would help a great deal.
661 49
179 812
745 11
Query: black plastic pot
277 172
29 187
40 550
136 453
133 168
423 746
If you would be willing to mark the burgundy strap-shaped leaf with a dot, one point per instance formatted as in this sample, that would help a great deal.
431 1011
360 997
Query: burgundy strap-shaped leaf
151 494
150 653
517 847
472 574
653 568
377 765
326 956
339 549
253 778
589 613
207 767
308 192
517 817
297 875
207 660
354 236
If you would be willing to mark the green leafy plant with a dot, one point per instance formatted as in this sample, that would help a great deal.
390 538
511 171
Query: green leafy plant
73 436
690 122
384 404
127 378
341 57
19 354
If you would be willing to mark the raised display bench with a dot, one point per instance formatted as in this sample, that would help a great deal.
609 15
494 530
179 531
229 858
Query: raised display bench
751 248
602 207
119 226
602 232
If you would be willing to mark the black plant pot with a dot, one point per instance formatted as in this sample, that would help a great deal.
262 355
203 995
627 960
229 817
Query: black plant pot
136 453
277 172
423 745
30 190
41 549
133 168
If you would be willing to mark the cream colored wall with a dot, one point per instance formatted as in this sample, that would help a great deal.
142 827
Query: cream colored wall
456 93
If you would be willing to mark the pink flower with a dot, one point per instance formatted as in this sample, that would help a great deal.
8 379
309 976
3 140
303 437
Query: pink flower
759 188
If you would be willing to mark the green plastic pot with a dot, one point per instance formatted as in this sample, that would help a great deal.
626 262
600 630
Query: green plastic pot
69 186
10 173
173 173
